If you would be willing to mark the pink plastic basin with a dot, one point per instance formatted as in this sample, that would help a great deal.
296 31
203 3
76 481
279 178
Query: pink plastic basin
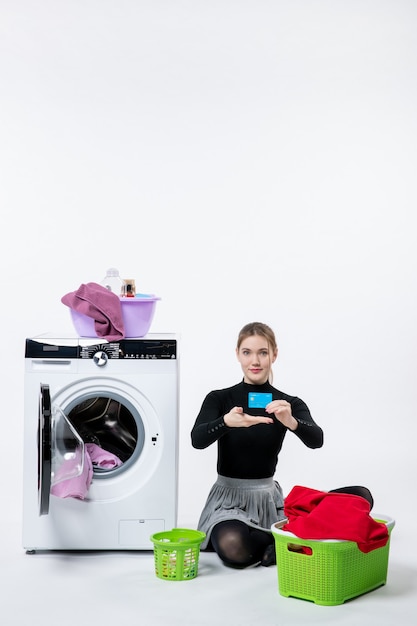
137 314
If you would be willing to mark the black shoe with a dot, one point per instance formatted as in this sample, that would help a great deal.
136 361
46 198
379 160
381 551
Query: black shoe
269 557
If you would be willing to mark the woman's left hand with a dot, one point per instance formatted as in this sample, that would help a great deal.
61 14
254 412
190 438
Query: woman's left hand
282 411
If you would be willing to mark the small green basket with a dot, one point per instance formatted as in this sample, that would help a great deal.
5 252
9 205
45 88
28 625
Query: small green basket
176 553
328 572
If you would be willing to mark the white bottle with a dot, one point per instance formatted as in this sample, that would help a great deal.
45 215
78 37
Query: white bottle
113 282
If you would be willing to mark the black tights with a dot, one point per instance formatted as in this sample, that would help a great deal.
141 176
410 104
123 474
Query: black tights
239 545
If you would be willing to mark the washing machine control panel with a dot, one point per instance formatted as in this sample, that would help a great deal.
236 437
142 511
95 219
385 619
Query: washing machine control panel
100 353
148 349
130 349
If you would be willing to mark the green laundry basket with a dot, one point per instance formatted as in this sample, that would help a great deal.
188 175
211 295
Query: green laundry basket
328 572
176 553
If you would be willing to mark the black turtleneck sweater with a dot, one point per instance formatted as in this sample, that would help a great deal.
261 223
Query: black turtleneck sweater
249 452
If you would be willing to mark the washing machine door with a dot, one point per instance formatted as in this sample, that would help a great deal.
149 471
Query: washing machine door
61 453
44 449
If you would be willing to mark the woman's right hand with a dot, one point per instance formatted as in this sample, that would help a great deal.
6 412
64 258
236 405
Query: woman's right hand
236 418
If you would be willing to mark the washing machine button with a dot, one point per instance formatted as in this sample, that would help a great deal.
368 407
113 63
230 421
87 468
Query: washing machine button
100 358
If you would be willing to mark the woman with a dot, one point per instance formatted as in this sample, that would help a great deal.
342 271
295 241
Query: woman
249 421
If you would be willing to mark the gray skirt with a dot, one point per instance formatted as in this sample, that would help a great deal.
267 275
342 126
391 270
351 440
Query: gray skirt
256 502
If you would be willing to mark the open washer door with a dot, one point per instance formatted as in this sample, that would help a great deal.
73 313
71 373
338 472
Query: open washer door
60 449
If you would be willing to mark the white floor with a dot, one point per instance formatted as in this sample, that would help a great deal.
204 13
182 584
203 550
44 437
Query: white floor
76 589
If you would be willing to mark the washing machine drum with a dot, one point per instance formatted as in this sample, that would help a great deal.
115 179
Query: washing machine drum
107 423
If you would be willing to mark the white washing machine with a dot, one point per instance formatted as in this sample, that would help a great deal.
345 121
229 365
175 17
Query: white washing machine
123 397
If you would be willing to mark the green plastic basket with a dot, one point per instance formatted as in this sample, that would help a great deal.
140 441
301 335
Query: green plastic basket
176 553
328 572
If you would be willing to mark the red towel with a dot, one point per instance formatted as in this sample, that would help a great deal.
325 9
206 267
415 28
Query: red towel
102 305
314 514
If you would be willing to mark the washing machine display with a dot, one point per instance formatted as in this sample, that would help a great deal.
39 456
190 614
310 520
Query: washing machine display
119 399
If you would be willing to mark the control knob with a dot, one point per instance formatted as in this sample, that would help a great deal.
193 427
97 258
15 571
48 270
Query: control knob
100 358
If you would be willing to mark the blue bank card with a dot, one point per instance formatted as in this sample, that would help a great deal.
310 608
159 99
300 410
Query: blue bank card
259 400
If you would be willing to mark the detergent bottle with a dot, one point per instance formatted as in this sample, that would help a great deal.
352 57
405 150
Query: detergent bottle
114 283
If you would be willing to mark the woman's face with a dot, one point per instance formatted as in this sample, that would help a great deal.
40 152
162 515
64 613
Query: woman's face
256 358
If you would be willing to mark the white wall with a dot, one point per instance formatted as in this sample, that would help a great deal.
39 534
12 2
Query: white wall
243 160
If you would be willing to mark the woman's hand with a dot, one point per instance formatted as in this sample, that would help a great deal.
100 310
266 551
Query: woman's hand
237 418
282 411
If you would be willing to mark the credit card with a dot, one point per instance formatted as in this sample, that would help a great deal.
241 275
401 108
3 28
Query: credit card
259 400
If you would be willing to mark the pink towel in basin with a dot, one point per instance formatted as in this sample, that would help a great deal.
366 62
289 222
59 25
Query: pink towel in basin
102 305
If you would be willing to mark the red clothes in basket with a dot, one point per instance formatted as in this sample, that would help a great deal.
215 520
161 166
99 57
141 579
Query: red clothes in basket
314 514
